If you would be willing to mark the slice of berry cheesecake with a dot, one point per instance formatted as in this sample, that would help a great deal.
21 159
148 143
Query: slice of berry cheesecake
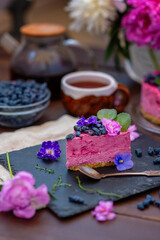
150 97
97 140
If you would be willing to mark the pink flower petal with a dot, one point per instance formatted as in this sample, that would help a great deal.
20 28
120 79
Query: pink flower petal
132 128
111 216
134 135
27 212
26 176
41 197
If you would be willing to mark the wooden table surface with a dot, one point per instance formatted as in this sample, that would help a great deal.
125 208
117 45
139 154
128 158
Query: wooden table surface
130 222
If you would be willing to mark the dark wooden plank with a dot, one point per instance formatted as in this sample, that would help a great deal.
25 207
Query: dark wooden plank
46 226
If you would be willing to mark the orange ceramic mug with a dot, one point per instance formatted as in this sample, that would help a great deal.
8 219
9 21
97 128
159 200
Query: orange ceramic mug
86 92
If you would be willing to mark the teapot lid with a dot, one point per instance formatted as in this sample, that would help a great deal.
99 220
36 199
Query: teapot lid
42 29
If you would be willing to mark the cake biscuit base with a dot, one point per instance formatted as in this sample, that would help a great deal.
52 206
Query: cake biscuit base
93 165
150 117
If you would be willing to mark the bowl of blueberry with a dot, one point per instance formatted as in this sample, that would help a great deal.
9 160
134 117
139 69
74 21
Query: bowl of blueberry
22 102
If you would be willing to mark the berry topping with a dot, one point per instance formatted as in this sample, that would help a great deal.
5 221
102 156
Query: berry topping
157 203
76 199
138 152
153 79
20 92
156 151
78 133
140 206
150 151
150 198
146 202
157 160
70 136
77 128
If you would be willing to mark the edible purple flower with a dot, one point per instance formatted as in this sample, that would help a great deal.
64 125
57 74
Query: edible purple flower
103 211
133 134
91 120
113 128
123 162
49 150
20 195
82 121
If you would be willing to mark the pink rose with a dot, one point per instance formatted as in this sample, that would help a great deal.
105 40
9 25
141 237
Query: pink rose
112 127
19 195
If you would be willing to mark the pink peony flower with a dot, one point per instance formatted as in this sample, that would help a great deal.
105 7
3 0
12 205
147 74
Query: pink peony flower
19 195
142 23
133 134
103 211
112 127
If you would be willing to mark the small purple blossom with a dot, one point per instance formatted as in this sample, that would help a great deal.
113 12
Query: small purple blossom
103 211
91 120
20 196
133 134
49 150
112 127
123 162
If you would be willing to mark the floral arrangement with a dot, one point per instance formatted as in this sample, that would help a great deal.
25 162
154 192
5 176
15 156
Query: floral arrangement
126 22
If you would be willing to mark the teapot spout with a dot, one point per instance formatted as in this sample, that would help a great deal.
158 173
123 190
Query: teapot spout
8 43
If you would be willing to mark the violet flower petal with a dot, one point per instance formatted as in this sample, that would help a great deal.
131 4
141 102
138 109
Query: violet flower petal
120 167
134 135
129 164
117 158
126 157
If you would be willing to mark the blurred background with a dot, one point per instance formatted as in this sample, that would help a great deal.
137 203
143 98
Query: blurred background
15 13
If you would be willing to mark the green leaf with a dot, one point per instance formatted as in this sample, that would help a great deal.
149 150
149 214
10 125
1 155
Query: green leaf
110 49
124 120
117 61
107 113
1 187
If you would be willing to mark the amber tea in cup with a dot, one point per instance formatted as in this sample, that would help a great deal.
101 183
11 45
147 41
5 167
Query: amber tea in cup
86 92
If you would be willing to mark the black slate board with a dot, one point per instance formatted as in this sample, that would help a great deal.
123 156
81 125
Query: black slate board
26 159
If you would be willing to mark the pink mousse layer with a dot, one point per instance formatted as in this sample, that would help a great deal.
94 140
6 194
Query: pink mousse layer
92 149
150 99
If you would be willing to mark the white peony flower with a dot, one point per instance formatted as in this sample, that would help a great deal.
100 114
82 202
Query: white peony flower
95 16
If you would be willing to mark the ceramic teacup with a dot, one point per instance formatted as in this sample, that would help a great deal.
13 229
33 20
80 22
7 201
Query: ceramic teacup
86 92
